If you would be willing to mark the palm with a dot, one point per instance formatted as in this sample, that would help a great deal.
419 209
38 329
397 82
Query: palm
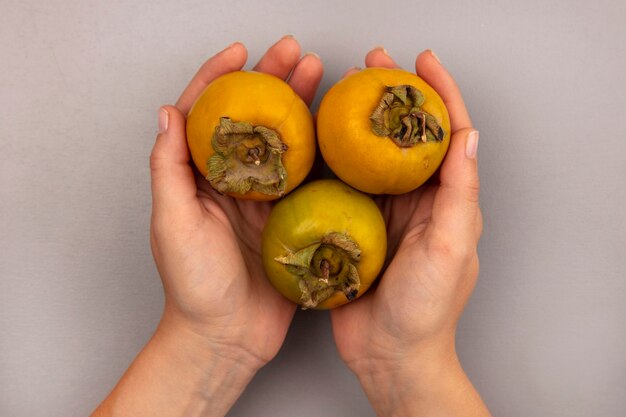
406 213
393 310
238 288
235 227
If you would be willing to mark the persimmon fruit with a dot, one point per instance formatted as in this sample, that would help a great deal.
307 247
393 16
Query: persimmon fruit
383 131
324 244
251 136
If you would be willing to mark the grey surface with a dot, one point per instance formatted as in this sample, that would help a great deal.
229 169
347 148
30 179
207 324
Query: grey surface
80 83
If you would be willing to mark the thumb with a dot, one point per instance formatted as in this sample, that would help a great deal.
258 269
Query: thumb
173 182
456 213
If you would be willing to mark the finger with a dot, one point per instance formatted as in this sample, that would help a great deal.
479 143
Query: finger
306 77
456 213
233 58
173 182
428 67
378 57
280 59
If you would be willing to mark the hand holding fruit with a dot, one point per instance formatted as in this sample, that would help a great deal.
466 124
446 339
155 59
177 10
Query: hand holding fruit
207 246
402 334
222 319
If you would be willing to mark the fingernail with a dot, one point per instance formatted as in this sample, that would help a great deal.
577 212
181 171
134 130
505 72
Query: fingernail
434 55
313 54
382 49
471 146
164 120
228 47
289 36
231 45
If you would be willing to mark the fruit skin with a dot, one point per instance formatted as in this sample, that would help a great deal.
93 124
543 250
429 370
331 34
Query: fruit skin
312 211
371 163
260 99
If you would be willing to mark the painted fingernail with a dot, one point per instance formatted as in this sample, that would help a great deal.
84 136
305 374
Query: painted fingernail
471 146
164 120
434 55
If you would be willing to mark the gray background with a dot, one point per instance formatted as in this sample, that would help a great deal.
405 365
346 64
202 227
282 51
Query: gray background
545 82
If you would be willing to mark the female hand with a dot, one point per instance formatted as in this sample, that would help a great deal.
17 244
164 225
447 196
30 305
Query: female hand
399 338
222 320
207 246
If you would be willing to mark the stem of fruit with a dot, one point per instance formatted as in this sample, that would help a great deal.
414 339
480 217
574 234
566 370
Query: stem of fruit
247 157
399 116
325 269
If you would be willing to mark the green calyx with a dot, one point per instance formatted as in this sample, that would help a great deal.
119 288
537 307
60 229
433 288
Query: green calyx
324 268
246 158
399 116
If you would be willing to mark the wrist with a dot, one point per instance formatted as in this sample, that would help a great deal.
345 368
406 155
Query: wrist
222 363
425 380
406 380
206 342
214 378
179 373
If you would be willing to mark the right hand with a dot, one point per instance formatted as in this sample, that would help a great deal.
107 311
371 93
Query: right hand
399 337
207 246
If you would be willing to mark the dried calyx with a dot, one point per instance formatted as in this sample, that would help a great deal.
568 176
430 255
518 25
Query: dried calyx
246 158
324 268
399 116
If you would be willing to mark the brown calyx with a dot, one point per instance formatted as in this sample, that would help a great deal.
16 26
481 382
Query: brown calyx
246 158
324 268
399 116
